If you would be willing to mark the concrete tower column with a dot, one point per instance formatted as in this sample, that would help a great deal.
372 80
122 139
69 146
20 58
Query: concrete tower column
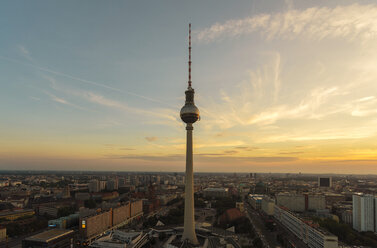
189 221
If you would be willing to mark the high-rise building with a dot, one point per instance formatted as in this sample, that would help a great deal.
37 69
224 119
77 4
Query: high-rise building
325 182
102 185
94 186
121 182
364 212
112 184
66 192
189 114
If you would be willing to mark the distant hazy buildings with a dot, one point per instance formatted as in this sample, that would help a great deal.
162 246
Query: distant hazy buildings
94 186
66 192
121 182
112 184
215 192
364 212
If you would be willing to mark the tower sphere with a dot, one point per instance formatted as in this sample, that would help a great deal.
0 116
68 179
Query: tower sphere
189 112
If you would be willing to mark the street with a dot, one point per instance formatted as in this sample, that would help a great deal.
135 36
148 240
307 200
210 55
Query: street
268 238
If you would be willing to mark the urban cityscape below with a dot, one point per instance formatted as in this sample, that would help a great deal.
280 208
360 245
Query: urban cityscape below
140 209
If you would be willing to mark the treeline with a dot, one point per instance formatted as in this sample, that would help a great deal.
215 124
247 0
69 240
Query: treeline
65 211
224 203
347 235
175 216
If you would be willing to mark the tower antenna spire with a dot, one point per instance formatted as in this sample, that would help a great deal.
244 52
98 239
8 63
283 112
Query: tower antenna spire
189 81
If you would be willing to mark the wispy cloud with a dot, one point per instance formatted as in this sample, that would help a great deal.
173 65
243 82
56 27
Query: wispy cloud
25 53
62 100
354 132
151 138
102 100
35 98
209 157
163 116
254 159
277 80
252 103
147 157
364 106
246 148
352 21
107 124
117 147
81 80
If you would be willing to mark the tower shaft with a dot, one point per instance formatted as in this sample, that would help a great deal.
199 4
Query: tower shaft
189 114
189 221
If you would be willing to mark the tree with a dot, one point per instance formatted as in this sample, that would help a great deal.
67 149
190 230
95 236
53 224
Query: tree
199 203
258 243
90 203
346 234
65 211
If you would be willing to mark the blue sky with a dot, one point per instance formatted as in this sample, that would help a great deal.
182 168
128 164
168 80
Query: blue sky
281 85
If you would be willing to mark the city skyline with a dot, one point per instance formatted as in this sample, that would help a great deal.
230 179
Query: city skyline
283 86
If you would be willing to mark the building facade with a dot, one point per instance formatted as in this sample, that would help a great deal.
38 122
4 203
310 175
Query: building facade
215 192
255 201
94 186
309 233
268 205
301 202
325 182
364 214
3 233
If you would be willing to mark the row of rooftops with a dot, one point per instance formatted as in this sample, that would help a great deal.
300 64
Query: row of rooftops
15 211
307 222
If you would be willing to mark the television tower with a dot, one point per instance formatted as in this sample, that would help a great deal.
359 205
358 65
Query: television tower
189 115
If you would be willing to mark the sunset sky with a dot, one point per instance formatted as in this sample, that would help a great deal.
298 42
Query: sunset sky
282 86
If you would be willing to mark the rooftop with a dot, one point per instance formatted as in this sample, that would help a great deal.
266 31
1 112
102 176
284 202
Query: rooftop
49 235
216 189
16 211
